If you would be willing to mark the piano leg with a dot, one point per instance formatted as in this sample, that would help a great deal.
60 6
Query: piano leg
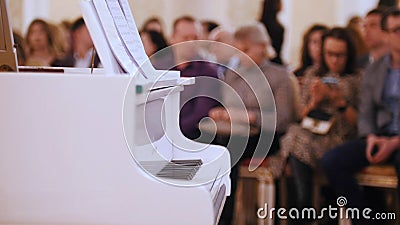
220 207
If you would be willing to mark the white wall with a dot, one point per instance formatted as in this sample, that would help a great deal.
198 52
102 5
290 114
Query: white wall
296 16
302 14
347 8
35 9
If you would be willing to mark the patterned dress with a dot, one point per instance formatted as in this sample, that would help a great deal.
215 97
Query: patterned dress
307 146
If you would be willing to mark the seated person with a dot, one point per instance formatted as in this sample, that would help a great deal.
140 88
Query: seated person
156 49
249 80
221 48
152 42
198 99
153 24
311 49
81 54
249 102
374 38
338 98
20 47
378 123
40 44
208 26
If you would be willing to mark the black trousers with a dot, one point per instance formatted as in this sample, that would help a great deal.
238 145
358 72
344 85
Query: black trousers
340 166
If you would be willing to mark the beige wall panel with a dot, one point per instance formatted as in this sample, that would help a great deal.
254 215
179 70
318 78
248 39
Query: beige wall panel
241 12
16 14
304 14
297 15
64 10
143 9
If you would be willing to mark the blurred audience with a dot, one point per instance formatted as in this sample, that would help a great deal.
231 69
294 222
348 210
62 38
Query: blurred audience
155 47
222 48
20 46
269 18
61 39
388 3
81 54
378 124
329 77
249 80
194 103
40 44
226 37
154 24
356 30
254 41
311 49
208 26
153 41
356 22
374 38
337 97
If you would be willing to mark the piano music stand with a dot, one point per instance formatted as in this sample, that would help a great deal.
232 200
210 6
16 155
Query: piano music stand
8 56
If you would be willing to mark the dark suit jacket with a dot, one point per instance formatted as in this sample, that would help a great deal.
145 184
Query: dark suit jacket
374 114
69 61
363 61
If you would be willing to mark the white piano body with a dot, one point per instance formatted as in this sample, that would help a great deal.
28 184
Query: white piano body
70 146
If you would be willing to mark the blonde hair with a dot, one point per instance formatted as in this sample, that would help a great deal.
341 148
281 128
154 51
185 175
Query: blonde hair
60 40
256 33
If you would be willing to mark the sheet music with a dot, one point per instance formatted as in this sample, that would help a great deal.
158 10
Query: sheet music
113 38
137 45
132 43
110 63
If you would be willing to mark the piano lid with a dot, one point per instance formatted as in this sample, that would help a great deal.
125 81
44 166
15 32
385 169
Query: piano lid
116 37
8 56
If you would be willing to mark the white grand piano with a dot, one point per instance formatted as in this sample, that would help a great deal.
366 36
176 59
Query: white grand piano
104 148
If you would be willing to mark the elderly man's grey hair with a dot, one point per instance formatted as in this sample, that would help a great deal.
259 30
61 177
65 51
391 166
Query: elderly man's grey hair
257 33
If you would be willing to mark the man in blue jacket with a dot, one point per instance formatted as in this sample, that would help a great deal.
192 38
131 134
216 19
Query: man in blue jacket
378 123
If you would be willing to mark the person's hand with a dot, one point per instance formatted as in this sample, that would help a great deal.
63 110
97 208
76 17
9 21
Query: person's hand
371 142
336 96
242 116
318 92
234 115
219 114
385 147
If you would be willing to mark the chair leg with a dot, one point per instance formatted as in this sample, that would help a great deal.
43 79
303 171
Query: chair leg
238 215
344 221
316 193
271 200
266 194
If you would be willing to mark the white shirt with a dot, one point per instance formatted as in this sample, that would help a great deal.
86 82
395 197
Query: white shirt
85 62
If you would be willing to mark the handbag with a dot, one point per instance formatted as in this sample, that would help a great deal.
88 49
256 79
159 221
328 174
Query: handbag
318 122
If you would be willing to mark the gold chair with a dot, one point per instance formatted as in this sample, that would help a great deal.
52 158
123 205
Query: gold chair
250 197
380 176
383 176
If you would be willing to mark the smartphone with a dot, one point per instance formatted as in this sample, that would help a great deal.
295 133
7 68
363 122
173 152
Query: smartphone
330 80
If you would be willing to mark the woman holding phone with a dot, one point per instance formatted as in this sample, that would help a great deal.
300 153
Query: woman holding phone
332 90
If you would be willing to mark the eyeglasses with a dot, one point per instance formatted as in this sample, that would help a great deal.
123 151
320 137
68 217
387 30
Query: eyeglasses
395 30
339 55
